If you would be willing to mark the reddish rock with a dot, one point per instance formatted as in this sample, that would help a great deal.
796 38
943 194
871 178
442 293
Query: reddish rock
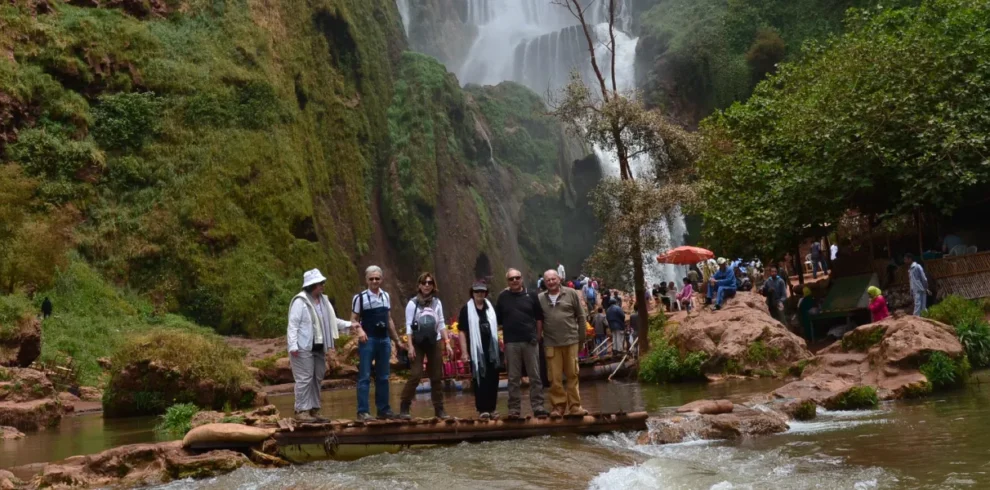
90 394
23 346
10 434
708 407
890 365
27 400
8 481
728 334
741 422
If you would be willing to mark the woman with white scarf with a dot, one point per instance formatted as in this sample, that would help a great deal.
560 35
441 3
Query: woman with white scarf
479 345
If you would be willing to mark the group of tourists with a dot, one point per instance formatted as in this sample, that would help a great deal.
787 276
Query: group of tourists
551 321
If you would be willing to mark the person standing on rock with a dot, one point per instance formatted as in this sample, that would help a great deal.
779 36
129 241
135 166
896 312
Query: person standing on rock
479 346
313 327
563 332
776 291
426 329
519 313
919 284
376 332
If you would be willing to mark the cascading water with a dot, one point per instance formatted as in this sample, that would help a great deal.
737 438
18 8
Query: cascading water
404 13
538 44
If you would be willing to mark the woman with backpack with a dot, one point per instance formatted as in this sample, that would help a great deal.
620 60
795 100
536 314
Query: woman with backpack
426 329
480 344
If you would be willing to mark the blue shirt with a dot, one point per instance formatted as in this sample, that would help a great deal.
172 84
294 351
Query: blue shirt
616 318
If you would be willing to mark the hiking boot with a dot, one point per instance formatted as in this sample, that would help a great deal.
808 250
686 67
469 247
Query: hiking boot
557 413
304 416
386 415
441 414
364 417
404 412
541 413
315 413
484 415
577 410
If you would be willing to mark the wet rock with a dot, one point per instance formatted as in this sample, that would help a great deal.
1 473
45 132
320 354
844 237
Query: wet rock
137 465
885 355
10 434
799 409
742 337
22 346
710 407
741 422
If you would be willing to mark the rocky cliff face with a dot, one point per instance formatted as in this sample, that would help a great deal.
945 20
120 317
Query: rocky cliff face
213 151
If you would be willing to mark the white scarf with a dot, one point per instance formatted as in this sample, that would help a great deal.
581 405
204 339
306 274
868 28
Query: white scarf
474 330
329 327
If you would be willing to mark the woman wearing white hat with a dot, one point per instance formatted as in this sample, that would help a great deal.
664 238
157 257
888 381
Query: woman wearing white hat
313 327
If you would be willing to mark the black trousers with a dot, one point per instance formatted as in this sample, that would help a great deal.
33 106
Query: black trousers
486 390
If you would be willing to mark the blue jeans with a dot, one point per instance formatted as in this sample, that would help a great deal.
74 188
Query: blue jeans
379 351
722 291
814 267
920 302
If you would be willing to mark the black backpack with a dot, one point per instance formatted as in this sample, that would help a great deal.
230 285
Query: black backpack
425 327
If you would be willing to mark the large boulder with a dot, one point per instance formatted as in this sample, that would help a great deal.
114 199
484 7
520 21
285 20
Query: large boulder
885 355
741 338
156 370
10 433
137 465
739 422
20 344
28 400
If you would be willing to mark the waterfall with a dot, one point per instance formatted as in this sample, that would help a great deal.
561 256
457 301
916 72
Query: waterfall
538 44
404 12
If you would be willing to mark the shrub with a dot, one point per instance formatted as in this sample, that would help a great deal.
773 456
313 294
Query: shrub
807 410
664 363
14 309
975 338
862 339
797 369
177 420
201 356
758 352
856 398
126 121
944 372
955 310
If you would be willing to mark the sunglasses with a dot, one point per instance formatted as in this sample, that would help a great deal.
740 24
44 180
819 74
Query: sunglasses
515 278
427 282
374 279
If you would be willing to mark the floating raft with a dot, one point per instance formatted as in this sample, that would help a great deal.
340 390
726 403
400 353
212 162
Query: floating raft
455 430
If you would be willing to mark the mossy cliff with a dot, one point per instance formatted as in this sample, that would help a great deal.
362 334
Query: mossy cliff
196 156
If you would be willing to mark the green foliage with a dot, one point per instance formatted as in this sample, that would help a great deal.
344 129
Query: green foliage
203 356
917 390
975 338
14 309
524 135
833 113
943 372
759 352
862 339
5 374
269 362
232 419
955 310
126 121
856 398
807 410
665 364
177 420
797 369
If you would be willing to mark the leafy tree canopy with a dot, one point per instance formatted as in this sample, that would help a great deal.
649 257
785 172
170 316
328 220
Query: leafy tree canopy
892 116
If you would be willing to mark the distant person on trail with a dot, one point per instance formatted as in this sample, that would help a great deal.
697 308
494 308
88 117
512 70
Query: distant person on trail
617 325
313 327
919 284
372 308
591 297
600 323
519 313
817 259
479 346
878 305
560 271
46 308
684 297
722 283
428 341
563 333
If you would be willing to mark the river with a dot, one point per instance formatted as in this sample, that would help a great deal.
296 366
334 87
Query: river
939 442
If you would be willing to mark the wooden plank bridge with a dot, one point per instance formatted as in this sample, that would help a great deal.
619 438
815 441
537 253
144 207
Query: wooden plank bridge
454 430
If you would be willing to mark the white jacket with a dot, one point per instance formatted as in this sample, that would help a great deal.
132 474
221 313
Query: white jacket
302 316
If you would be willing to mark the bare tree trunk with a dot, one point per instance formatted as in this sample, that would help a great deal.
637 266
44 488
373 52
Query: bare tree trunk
611 42
643 329
575 8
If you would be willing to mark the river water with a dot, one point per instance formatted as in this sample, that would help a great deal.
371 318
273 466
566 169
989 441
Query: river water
939 442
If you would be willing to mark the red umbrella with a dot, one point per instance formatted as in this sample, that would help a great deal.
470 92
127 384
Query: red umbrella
685 256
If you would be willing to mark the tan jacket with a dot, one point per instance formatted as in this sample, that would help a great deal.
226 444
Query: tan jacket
563 322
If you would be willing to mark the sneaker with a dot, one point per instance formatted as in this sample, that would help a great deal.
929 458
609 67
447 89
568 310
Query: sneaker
304 417
484 415
315 413
541 413
441 414
404 412
364 417
386 415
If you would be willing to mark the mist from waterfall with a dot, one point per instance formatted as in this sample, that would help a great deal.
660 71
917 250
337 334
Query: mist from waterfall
538 44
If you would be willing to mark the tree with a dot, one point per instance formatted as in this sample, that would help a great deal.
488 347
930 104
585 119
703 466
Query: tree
888 119
630 210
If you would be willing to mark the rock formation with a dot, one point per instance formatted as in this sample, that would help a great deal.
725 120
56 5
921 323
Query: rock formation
27 400
713 420
22 345
741 338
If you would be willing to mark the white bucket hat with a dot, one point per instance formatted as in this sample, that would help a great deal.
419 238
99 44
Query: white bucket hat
312 276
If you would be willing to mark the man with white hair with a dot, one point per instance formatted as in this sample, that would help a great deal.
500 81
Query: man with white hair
563 331
313 327
372 308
